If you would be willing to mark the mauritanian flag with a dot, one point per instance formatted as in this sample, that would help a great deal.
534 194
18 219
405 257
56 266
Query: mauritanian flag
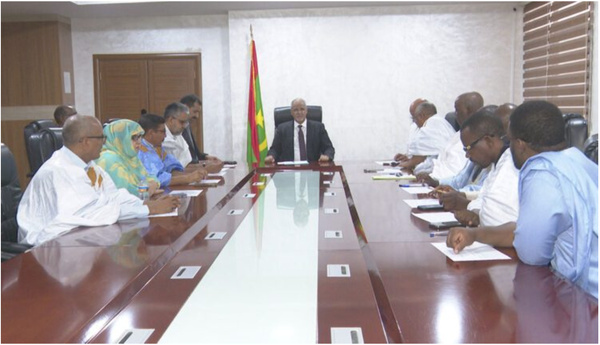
257 136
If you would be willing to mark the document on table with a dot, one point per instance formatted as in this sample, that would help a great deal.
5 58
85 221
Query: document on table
475 252
190 193
293 163
206 182
394 177
414 203
436 217
170 214
219 174
384 162
417 190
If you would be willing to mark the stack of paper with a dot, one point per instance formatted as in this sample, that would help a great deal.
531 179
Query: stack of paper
394 177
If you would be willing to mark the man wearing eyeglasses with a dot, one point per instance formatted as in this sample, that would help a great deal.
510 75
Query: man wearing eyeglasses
177 118
485 144
70 190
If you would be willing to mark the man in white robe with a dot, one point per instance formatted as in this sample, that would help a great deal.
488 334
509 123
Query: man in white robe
412 132
433 134
483 137
70 190
451 159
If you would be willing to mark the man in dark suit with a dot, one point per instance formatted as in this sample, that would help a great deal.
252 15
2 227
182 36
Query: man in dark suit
301 139
194 103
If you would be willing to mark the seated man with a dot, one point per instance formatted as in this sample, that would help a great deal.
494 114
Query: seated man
464 187
157 161
70 190
62 112
558 197
483 137
452 157
301 139
433 134
195 105
176 120
399 157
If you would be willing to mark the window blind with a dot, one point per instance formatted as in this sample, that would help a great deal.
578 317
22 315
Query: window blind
558 54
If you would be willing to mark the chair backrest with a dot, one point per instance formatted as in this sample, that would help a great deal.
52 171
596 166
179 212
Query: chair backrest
42 145
451 117
576 130
284 114
29 130
11 195
590 148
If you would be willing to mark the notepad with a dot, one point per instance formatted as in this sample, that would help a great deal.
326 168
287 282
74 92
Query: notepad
475 252
436 217
190 193
417 190
414 203
169 214
394 177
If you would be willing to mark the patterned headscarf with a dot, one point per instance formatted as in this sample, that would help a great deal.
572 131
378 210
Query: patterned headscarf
119 158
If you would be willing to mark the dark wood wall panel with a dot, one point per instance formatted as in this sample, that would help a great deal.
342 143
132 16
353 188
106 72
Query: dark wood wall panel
31 72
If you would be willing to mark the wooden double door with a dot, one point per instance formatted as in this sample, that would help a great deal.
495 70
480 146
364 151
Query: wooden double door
126 84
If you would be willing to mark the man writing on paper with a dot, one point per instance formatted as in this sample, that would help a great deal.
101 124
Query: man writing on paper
301 139
484 141
433 134
558 197
70 190
157 161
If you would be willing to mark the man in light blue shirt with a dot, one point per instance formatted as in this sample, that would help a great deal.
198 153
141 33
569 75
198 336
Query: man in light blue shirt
157 161
558 200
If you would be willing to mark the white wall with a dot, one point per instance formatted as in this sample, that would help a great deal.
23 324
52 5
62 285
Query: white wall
205 34
363 65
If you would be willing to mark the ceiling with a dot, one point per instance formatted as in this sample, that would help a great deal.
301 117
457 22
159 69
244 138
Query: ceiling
67 9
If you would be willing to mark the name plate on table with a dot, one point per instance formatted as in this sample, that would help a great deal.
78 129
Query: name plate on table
346 335
338 271
135 336
333 234
186 272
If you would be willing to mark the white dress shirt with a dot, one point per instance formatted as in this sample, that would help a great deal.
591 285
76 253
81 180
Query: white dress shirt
61 197
296 142
178 147
451 159
498 200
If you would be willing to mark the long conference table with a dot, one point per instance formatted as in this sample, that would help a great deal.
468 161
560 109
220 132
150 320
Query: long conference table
284 254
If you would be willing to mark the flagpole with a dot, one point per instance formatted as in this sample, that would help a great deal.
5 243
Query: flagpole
251 34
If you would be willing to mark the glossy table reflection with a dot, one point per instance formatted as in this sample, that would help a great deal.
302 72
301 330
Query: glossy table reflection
92 284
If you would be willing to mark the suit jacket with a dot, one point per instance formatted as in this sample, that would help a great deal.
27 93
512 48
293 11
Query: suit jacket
191 141
317 142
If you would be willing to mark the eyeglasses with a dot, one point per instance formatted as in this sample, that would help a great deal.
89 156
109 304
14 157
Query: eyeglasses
136 137
470 146
103 137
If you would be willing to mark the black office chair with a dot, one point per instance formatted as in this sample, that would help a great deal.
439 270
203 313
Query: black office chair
451 117
42 145
590 148
576 130
29 130
284 114
11 196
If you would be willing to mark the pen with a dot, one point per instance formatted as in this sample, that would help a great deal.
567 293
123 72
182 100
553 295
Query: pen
438 233
413 185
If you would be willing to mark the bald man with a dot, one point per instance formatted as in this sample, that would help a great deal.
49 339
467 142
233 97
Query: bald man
70 190
300 139
400 157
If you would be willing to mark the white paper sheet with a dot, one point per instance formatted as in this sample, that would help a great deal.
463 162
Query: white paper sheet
475 252
414 203
170 214
219 174
191 193
293 163
436 217
394 177
417 190
207 182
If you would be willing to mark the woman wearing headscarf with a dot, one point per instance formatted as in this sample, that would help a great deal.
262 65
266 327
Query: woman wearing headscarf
119 156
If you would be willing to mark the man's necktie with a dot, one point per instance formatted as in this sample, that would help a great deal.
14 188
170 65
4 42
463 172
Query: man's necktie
301 143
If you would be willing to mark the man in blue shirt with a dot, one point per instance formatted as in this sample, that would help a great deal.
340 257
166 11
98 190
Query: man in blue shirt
558 200
157 161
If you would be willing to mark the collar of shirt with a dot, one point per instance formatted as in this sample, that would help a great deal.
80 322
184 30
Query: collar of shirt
169 134
303 124
75 159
